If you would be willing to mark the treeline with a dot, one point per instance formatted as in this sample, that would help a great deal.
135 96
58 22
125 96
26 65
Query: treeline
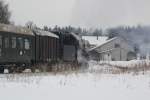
78 30
4 13
68 29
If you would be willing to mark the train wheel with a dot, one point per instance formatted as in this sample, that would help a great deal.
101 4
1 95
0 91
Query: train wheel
1 69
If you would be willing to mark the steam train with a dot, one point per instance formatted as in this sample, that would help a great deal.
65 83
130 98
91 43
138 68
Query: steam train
22 48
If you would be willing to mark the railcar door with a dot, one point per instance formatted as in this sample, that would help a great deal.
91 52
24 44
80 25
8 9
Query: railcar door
12 49
28 47
19 49
24 52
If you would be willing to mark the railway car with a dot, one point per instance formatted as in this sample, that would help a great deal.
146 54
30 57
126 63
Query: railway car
46 47
16 47
68 46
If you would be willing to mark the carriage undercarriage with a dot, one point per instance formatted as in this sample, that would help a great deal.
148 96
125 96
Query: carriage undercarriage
40 67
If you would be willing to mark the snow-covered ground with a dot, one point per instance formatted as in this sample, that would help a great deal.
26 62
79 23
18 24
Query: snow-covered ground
86 85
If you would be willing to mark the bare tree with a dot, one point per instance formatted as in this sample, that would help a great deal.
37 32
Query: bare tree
4 13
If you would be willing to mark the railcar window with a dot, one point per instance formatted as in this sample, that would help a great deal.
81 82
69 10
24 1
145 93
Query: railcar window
6 42
20 41
27 44
117 45
1 42
0 51
13 42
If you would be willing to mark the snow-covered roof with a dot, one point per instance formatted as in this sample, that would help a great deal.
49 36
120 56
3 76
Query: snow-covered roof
45 33
76 36
105 42
15 29
93 40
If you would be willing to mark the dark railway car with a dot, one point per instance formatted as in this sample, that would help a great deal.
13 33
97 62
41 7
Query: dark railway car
46 44
16 46
68 46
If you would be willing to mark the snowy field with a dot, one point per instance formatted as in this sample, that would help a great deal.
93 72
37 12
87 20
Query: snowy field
86 85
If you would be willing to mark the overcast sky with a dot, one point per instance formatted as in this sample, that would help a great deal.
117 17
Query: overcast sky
42 12
84 13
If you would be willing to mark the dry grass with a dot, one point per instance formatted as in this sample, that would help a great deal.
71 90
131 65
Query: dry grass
141 66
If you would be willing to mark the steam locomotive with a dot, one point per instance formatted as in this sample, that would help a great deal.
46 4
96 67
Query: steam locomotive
22 48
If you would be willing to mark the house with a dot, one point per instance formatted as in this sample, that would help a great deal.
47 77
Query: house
115 49
93 41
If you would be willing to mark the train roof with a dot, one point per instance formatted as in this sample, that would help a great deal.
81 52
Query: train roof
15 29
45 33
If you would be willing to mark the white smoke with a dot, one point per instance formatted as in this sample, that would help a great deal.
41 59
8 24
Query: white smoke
80 57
